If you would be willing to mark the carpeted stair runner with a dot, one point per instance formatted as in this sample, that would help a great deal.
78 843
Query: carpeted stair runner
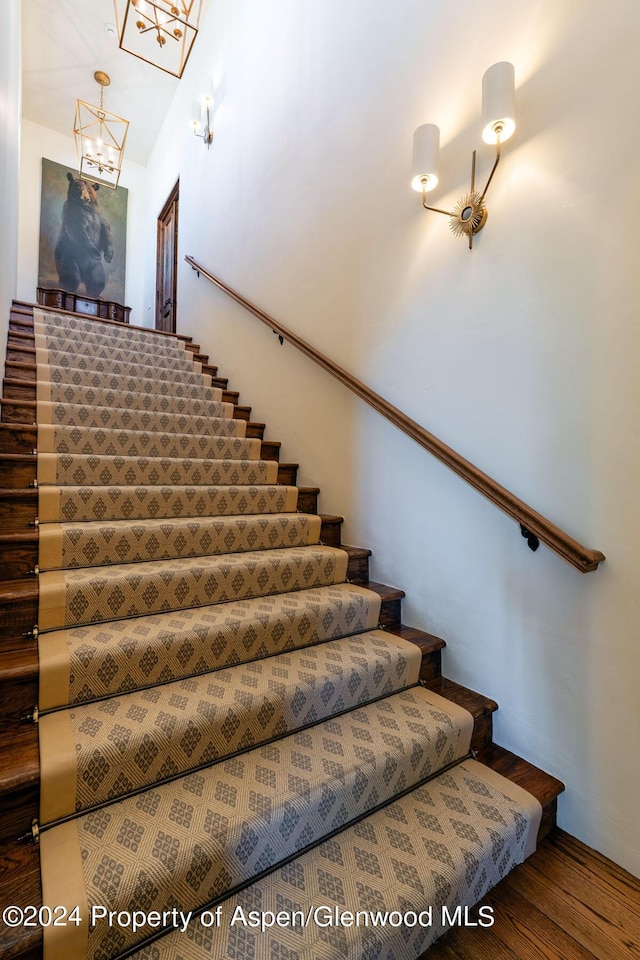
387 887
216 699
113 418
80 469
98 542
147 502
91 662
221 826
171 398
102 751
148 379
88 595
145 443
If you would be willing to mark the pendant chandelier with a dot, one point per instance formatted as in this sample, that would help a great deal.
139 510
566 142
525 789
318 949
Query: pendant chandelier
160 32
100 138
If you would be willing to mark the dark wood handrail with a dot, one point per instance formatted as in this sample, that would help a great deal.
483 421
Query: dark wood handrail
533 525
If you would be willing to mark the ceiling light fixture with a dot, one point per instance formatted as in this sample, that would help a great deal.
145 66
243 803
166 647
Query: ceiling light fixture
160 32
498 109
100 138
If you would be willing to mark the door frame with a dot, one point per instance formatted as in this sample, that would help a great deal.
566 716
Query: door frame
172 200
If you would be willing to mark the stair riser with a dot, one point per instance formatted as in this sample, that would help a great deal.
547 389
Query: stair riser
19 514
18 812
17 412
391 613
19 390
19 559
21 371
18 473
20 865
288 473
19 617
18 698
431 666
254 431
18 439
307 502
20 353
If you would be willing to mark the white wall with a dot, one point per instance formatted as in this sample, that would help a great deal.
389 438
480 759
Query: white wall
523 354
10 86
39 142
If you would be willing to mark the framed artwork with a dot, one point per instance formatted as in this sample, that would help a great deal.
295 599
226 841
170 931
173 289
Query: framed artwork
83 235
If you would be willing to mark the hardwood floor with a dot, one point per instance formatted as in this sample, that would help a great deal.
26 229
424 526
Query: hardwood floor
567 902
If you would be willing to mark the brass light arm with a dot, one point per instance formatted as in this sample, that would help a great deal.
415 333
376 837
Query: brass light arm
447 213
493 169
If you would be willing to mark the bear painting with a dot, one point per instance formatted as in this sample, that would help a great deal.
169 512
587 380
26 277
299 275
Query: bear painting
82 235
85 236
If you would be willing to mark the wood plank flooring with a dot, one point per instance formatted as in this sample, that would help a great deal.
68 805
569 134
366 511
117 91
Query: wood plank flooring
567 902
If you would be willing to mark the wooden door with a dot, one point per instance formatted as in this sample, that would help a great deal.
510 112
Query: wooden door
167 264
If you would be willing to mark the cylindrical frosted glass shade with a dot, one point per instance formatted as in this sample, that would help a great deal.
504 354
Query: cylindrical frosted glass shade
498 102
196 113
426 148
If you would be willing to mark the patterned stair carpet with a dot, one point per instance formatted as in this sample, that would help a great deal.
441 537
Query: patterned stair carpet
222 721
386 887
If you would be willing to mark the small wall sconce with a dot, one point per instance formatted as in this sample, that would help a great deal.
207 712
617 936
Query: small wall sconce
469 215
201 120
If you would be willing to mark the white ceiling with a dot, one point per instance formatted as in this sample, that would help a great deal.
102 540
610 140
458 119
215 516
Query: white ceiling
63 43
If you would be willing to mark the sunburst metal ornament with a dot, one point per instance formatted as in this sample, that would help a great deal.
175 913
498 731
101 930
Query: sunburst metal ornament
468 216
160 32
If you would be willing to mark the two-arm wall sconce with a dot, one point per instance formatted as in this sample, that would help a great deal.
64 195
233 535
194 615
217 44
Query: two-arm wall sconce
469 215
201 120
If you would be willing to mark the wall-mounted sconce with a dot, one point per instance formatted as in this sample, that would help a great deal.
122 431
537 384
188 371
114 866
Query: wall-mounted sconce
201 120
469 215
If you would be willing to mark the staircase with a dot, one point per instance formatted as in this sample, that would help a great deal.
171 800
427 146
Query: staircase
231 715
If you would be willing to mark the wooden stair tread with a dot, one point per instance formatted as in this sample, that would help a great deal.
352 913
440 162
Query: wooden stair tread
22 348
11 590
356 551
387 593
19 536
22 336
543 786
475 703
420 637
